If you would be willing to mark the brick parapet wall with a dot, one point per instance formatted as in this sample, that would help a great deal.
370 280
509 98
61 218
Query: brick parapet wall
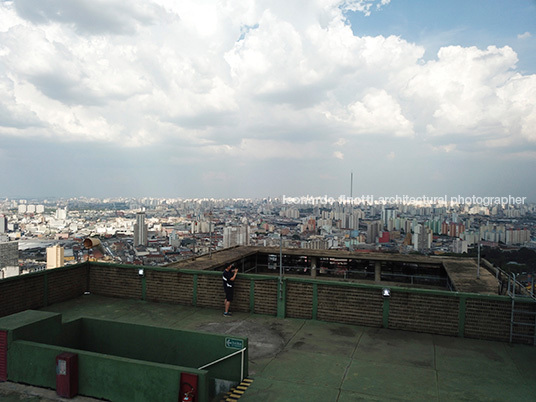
415 310
266 297
27 292
33 291
169 287
67 284
115 281
424 313
299 300
526 314
210 293
350 305
488 319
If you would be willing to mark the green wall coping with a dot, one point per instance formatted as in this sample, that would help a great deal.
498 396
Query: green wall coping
43 273
23 318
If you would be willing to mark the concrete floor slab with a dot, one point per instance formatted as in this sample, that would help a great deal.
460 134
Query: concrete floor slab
524 357
391 380
483 386
307 368
333 339
13 392
350 396
277 391
295 359
472 356
397 347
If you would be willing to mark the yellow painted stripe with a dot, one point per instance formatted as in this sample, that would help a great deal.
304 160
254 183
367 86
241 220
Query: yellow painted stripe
235 393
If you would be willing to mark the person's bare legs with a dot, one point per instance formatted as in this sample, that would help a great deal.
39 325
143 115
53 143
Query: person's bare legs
227 305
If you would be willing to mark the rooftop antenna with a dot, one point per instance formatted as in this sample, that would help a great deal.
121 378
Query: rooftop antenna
351 184
478 266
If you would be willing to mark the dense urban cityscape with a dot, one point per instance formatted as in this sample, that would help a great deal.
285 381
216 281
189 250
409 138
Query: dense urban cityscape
43 233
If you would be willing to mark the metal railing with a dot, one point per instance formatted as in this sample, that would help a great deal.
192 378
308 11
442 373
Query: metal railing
513 283
225 358
344 273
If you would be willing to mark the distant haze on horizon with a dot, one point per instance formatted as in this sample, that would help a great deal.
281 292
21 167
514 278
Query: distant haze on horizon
267 98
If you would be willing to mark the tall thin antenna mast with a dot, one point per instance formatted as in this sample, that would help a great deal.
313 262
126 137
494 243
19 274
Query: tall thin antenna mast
351 184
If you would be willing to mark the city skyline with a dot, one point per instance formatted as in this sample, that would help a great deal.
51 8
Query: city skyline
267 98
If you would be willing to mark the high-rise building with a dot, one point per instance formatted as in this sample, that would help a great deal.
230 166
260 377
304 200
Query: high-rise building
235 236
140 230
373 231
459 246
353 222
55 256
422 238
3 223
61 214
388 214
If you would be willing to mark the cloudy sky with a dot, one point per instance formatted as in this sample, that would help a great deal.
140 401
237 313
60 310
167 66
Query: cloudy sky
253 98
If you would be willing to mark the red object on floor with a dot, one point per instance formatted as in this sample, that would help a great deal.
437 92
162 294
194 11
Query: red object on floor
67 374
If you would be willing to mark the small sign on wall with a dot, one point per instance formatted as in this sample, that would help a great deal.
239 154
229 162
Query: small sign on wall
233 343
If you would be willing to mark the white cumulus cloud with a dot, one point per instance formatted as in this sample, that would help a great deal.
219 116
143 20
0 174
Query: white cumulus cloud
254 78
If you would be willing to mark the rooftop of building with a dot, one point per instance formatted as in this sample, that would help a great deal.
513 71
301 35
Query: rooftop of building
462 272
298 359
416 344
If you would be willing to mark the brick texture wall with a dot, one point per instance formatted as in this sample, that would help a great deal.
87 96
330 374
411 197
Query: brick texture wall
67 284
266 297
424 313
299 300
210 293
484 319
115 282
23 293
487 319
169 287
241 295
28 291
350 305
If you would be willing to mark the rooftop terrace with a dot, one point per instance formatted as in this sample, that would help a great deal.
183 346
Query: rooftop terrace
461 272
317 338
304 360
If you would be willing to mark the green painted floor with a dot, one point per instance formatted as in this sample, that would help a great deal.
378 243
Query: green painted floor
301 360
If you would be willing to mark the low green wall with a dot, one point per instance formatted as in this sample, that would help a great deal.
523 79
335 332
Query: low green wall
120 361
163 345
102 376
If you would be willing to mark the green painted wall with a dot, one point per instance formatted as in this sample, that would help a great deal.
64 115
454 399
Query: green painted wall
32 325
162 345
101 376
117 361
